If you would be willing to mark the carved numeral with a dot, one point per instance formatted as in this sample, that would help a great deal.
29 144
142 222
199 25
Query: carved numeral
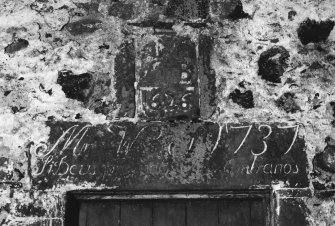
294 138
265 147
245 137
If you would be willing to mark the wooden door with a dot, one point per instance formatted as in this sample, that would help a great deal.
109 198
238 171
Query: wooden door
182 212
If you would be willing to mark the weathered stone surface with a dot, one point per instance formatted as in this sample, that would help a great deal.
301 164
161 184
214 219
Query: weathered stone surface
326 159
84 26
99 99
90 90
25 104
228 9
293 212
43 222
287 103
187 9
313 31
42 6
207 78
245 99
170 155
122 10
272 63
10 173
30 210
176 10
168 79
89 7
37 204
124 69
16 45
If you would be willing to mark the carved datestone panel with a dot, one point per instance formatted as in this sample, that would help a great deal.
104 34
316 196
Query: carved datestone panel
161 155
168 75
169 70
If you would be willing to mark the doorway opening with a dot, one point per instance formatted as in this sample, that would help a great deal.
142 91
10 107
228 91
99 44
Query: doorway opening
211 208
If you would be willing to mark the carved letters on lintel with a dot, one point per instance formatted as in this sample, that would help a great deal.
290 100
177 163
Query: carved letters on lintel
171 155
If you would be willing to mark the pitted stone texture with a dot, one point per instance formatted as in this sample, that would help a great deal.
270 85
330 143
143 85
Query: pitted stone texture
287 103
293 212
326 160
160 10
121 10
187 9
228 9
84 26
45 222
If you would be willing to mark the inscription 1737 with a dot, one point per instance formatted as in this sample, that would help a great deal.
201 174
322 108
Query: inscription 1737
168 155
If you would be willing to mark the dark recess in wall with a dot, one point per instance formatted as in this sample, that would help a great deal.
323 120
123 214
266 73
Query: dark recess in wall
229 9
272 63
75 86
16 45
238 12
245 99
313 31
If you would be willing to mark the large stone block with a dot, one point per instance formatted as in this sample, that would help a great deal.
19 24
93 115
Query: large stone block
161 155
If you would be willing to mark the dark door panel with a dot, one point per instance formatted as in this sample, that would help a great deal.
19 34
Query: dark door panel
169 213
174 212
200 213
99 214
233 213
136 214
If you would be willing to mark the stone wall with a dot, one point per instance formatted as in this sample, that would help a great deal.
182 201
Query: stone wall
79 76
